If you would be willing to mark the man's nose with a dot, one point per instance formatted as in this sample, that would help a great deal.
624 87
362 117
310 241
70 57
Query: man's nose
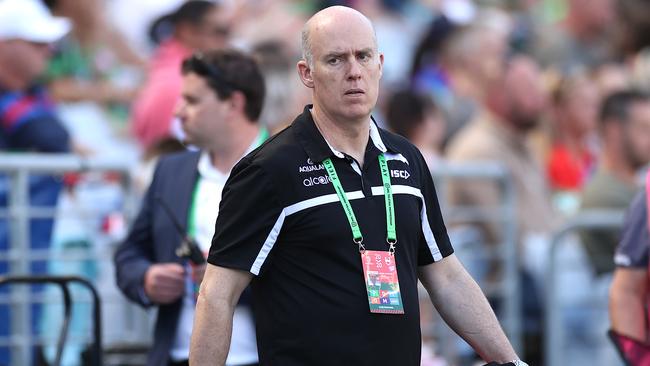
354 70
179 109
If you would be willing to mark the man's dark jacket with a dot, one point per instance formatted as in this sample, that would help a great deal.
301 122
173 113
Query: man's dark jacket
153 239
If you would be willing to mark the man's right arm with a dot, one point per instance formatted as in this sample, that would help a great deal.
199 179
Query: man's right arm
627 300
220 291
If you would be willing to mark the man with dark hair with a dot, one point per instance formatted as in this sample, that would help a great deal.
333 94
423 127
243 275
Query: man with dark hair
624 127
222 97
330 289
415 116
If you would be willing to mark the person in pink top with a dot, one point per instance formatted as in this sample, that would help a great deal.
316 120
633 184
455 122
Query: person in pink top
197 25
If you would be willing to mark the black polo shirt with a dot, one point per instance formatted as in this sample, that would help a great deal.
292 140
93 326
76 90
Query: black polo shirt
281 220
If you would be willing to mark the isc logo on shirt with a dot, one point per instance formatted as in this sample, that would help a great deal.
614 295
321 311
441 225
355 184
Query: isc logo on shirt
396 173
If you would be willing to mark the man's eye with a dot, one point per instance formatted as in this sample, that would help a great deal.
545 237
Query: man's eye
334 61
364 57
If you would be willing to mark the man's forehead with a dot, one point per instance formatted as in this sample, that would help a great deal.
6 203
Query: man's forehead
347 49
192 81
343 40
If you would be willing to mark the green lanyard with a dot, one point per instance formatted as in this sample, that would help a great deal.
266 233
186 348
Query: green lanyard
391 235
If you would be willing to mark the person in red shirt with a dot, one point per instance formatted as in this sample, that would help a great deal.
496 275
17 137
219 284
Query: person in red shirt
572 157
198 25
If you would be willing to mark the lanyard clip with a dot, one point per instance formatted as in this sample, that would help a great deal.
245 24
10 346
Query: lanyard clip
359 242
391 246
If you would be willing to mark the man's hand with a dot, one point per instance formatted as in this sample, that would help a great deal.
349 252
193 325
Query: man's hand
164 283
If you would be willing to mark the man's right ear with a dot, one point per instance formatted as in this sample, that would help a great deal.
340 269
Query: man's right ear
304 71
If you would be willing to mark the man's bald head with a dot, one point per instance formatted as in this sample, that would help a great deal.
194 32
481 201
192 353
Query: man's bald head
326 19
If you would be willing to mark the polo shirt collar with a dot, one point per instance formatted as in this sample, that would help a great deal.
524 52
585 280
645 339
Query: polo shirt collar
319 149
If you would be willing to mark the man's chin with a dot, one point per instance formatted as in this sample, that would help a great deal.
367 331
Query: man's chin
356 112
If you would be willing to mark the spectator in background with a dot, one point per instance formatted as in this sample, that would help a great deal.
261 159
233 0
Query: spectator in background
133 19
197 25
222 97
28 122
514 106
396 27
285 94
634 39
625 132
471 58
582 38
86 61
93 75
572 156
513 109
415 116
610 77
256 22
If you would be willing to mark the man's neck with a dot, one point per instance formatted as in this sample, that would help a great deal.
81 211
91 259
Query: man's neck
350 137
224 158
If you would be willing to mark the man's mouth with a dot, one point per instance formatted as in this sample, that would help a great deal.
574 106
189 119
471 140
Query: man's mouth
354 92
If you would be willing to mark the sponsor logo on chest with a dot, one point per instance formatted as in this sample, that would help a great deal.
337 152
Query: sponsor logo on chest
310 167
314 181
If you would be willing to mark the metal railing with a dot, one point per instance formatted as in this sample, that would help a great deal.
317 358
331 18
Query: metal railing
554 327
63 282
17 170
505 216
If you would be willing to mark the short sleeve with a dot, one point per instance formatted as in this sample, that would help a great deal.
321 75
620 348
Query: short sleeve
632 250
249 221
435 244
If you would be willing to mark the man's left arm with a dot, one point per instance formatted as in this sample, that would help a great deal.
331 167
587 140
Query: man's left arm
462 305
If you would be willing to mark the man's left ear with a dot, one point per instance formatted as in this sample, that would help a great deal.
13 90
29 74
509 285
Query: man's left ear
238 101
381 64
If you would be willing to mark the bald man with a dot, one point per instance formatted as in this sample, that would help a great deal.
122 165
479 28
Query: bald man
333 221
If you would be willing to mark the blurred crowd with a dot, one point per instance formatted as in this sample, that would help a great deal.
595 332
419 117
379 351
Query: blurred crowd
554 90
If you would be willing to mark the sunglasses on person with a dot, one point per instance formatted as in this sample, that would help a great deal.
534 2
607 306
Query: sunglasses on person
205 68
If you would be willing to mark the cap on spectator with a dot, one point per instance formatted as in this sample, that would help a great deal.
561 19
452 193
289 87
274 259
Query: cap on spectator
30 20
